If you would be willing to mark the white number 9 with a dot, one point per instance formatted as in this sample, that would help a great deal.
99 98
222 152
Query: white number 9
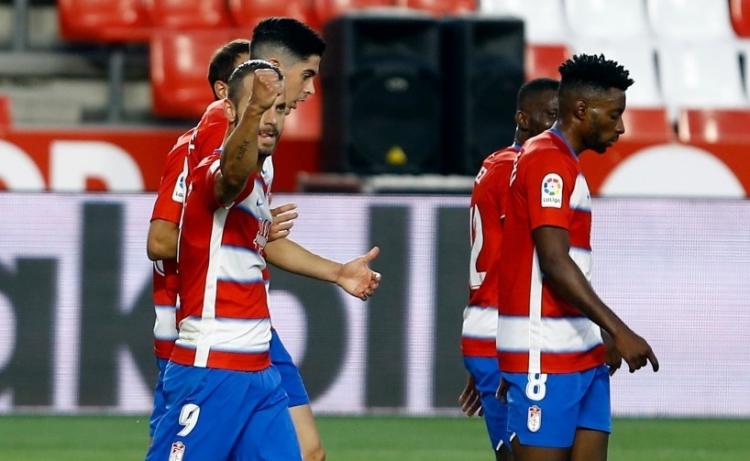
188 418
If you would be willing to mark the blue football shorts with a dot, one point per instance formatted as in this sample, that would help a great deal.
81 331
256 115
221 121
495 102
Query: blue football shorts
221 415
545 410
486 375
160 404
291 380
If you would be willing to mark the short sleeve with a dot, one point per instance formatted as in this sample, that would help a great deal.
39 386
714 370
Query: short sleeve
549 183
172 188
203 183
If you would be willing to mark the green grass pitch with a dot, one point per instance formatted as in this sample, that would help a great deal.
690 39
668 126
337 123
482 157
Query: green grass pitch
376 438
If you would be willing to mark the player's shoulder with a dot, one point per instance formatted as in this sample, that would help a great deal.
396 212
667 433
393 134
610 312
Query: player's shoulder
180 147
546 150
214 115
502 156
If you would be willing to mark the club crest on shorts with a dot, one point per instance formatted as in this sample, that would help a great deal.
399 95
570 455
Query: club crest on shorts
534 421
177 451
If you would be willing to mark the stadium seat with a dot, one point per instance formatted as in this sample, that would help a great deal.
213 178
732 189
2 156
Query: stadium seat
305 122
544 18
443 7
639 59
4 112
189 14
325 10
110 21
608 19
714 126
701 75
740 11
179 69
248 13
544 60
647 125
690 19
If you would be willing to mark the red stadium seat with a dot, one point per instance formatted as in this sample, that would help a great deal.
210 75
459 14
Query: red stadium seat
4 112
111 21
189 14
179 69
248 13
647 125
305 122
325 10
714 126
740 11
543 60
443 7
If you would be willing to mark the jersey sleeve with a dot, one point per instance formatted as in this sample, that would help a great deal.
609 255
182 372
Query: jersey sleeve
549 183
171 194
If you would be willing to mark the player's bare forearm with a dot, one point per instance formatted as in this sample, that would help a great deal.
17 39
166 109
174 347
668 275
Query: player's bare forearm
240 156
292 257
162 240
567 280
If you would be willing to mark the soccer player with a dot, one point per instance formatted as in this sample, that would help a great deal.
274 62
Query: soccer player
549 339
224 399
536 111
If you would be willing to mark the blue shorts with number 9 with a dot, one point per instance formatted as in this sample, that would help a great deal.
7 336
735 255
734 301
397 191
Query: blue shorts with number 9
544 410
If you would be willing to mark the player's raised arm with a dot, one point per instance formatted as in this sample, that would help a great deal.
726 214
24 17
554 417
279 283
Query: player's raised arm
566 279
240 157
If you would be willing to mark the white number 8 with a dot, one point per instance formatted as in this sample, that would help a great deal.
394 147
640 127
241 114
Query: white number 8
536 388
188 418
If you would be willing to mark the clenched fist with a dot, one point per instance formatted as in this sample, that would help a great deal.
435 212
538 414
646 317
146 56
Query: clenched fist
268 84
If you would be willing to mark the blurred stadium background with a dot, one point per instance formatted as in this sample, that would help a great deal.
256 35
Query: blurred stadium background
413 93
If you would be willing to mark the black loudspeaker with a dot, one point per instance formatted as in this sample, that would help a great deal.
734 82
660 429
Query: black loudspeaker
382 103
483 68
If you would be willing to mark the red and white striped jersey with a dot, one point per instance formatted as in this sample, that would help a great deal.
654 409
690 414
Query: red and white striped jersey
223 317
168 207
209 134
479 330
538 331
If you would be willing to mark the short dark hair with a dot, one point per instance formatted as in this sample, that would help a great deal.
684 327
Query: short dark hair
222 62
592 71
533 88
293 36
243 70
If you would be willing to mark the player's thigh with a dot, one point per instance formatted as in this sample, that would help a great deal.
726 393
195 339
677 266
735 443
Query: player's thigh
529 453
207 412
269 434
590 445
543 409
486 375
596 409
306 429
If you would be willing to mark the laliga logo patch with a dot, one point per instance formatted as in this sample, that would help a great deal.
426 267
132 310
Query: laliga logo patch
552 190
534 421
177 452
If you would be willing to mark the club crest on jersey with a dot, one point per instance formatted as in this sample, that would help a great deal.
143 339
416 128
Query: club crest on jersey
534 421
552 191
177 452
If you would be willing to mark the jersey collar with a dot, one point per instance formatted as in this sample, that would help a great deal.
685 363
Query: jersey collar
559 135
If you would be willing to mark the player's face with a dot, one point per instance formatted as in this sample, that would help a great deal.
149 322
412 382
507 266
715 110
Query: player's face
271 126
604 120
299 78
542 112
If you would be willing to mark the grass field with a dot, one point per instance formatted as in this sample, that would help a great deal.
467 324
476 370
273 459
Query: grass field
115 438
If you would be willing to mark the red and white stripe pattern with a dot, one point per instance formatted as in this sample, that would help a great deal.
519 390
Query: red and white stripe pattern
224 320
538 331
479 328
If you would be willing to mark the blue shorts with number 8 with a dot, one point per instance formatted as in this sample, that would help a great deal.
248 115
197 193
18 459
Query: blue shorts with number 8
544 410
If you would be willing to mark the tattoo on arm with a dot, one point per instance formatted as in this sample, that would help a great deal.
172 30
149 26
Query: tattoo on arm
242 150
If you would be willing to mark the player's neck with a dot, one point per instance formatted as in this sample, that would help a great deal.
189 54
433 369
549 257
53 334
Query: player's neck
570 135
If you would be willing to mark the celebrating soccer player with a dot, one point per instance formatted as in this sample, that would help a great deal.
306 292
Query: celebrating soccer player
550 339
536 111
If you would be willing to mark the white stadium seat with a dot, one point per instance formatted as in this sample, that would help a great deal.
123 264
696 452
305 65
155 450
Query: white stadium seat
701 75
544 19
690 19
638 57
609 19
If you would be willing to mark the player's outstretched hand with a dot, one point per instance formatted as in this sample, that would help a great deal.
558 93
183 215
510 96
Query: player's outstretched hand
469 399
267 86
283 220
356 277
635 350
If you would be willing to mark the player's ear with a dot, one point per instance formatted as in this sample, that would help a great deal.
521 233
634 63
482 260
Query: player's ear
220 89
275 62
580 109
230 111
522 120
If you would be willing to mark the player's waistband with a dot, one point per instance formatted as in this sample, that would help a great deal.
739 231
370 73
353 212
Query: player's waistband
237 361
